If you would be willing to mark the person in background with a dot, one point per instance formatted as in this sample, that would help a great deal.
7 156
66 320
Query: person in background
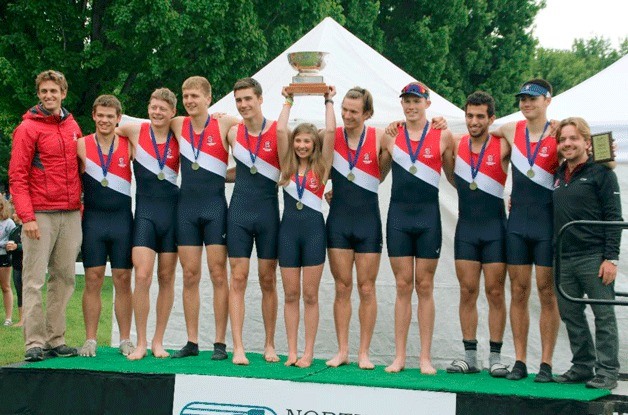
6 227
14 247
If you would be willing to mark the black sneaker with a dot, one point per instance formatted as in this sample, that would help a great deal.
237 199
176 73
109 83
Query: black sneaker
62 351
34 354
220 351
571 376
190 349
602 382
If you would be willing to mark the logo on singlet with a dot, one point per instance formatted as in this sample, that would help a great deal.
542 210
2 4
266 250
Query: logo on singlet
490 160
544 152
267 146
313 183
367 158
121 162
169 153
428 153
210 141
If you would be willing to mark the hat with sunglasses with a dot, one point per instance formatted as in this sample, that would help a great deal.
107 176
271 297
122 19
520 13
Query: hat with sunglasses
416 89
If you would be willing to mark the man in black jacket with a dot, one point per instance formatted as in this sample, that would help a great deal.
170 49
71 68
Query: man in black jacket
584 190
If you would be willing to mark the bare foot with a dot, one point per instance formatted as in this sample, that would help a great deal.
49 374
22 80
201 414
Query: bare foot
270 356
292 359
396 366
239 358
338 360
304 361
158 351
139 353
426 367
365 363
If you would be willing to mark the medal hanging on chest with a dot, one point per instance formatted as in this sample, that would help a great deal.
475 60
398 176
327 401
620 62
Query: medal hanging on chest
161 158
104 165
532 156
414 155
300 187
353 160
253 156
475 169
196 151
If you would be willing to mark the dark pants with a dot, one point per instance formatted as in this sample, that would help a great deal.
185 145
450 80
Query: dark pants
579 276
17 281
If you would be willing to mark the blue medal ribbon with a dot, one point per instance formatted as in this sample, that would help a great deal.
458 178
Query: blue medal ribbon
104 165
197 151
414 155
475 169
301 185
161 159
259 140
353 161
532 158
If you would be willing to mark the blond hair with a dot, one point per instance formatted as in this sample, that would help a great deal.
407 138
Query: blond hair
5 209
579 123
166 95
198 82
108 101
316 162
54 76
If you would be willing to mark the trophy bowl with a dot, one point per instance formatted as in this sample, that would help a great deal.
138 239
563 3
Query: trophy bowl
307 63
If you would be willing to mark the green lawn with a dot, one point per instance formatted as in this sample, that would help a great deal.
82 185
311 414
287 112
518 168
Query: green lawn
12 340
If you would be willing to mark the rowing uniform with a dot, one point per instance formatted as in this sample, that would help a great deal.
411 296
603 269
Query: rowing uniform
413 227
202 215
530 222
354 220
107 217
254 209
481 229
156 200
302 239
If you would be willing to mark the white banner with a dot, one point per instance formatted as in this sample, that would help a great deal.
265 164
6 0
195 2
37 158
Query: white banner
210 395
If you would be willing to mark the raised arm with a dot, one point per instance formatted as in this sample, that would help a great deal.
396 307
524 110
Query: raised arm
130 130
329 136
506 131
282 127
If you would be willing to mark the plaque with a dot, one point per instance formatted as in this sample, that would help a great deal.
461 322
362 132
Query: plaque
308 81
602 146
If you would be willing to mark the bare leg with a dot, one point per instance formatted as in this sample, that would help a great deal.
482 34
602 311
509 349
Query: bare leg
425 270
311 283
291 280
550 317
468 273
92 303
166 266
217 264
494 279
237 289
268 283
403 268
341 264
143 262
7 293
190 257
123 303
520 280
367 267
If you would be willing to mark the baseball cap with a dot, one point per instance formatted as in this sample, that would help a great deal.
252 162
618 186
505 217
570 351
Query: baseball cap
416 89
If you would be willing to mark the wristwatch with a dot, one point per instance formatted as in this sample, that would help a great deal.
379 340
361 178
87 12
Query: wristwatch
613 261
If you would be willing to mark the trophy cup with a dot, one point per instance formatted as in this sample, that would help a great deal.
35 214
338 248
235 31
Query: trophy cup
308 81
602 146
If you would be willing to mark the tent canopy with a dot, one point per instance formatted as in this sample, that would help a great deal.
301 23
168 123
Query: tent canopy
350 62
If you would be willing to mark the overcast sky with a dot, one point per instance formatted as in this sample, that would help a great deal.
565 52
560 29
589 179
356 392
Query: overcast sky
562 21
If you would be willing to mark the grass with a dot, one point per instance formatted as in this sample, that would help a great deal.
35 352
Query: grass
12 338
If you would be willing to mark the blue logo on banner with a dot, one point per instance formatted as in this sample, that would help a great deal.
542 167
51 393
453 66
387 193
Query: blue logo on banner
207 408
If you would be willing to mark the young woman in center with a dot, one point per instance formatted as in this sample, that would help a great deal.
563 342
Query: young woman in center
305 158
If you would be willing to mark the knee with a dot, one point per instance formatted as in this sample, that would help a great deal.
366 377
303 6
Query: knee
268 283
343 290
468 293
366 289
425 289
404 288
520 292
310 298
238 282
495 294
191 279
218 276
291 296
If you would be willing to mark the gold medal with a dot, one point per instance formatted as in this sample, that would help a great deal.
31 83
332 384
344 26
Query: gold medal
161 175
473 186
253 169
104 182
351 176
195 166
530 173
299 205
413 169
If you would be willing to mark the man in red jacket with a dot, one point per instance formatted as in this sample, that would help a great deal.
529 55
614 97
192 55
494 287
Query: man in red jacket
46 190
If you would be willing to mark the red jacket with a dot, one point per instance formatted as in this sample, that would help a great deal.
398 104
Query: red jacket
44 171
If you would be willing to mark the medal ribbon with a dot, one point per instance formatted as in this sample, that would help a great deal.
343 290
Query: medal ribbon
475 169
161 160
301 185
532 159
197 151
414 155
104 165
353 161
259 140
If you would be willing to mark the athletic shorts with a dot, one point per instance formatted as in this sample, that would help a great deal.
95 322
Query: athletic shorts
529 235
155 223
252 221
360 230
302 239
481 241
201 221
413 230
5 260
107 235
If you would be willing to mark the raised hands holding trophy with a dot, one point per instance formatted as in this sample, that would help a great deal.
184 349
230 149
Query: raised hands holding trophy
308 81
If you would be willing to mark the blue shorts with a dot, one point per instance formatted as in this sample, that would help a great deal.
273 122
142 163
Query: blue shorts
413 230
201 220
252 221
107 234
155 223
483 241
302 239
529 235
360 230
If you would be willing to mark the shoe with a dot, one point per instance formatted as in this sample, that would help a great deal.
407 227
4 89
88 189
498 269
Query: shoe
89 348
126 347
8 322
571 376
544 376
220 351
190 349
519 371
461 366
34 354
602 382
498 370
62 351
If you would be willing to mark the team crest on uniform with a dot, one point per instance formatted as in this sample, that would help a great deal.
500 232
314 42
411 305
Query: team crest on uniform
367 158
544 152
169 153
490 160
428 153
210 141
313 183
121 162
267 146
